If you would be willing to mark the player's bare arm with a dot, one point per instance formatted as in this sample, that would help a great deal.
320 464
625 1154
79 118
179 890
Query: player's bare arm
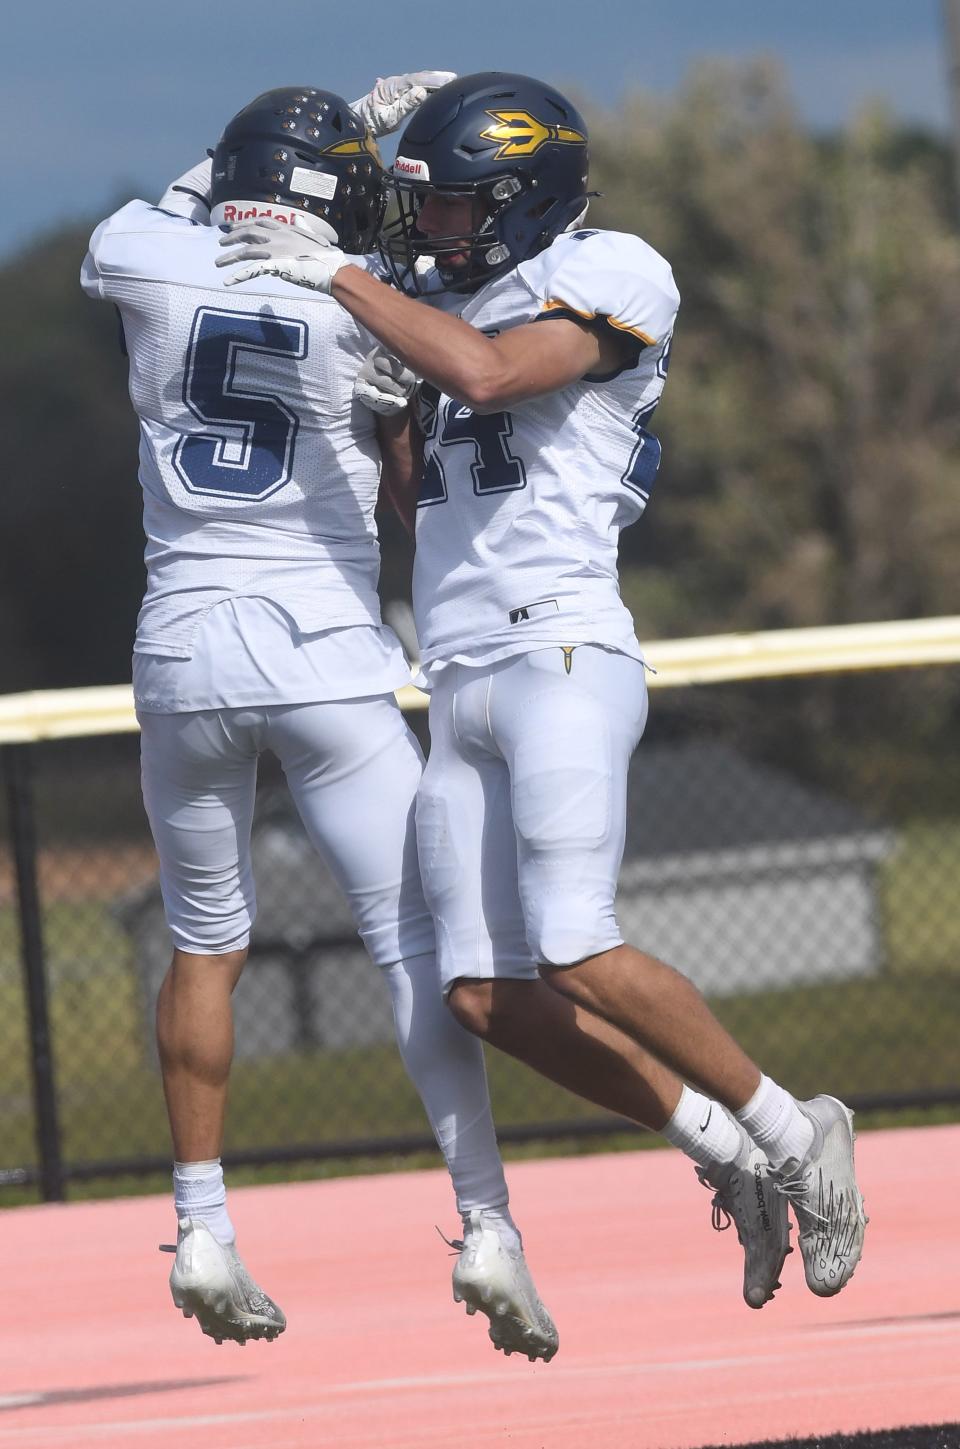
401 453
485 373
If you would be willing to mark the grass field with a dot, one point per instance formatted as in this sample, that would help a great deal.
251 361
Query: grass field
895 1032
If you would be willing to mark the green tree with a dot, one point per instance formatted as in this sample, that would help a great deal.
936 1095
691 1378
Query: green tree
810 424
71 544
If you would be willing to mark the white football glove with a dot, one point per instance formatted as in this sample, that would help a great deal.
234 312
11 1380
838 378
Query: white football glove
267 247
392 99
384 384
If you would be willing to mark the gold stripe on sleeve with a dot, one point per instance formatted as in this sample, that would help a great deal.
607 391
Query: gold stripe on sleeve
556 304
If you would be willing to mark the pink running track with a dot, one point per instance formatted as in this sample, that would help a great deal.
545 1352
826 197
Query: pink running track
657 1349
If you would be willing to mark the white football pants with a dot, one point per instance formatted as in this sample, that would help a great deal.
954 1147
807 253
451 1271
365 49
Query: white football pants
521 815
353 768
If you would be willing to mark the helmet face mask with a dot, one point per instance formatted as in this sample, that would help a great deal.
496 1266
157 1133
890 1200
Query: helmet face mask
517 147
302 150
466 257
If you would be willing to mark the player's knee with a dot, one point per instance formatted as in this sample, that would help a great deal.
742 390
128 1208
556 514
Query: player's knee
210 974
568 981
231 955
226 960
587 981
472 1005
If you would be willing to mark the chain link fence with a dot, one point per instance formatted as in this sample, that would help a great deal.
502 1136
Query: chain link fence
793 845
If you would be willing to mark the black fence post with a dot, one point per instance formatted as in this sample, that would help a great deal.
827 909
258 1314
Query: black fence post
17 768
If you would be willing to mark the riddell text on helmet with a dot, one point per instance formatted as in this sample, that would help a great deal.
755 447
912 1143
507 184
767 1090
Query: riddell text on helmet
403 166
246 210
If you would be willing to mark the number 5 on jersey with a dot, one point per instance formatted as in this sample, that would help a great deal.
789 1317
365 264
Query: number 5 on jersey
246 452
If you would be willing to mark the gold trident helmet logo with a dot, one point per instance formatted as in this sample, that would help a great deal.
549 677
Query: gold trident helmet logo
363 145
521 134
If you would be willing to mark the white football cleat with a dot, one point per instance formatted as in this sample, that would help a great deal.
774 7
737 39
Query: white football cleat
745 1195
493 1277
209 1282
822 1190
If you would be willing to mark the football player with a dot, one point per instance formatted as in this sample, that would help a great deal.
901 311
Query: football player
261 629
543 359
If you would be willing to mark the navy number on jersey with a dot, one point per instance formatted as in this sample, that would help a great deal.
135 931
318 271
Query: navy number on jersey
645 458
641 470
494 468
433 486
231 384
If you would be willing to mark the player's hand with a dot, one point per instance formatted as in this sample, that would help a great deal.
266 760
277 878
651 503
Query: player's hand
267 247
392 99
384 384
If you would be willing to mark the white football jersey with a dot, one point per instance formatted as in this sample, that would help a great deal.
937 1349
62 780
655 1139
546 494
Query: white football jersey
259 471
520 511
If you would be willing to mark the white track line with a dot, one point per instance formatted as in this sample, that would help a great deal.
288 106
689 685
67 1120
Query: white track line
76 1432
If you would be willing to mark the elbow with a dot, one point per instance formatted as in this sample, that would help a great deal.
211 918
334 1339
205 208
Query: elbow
496 404
485 399
486 390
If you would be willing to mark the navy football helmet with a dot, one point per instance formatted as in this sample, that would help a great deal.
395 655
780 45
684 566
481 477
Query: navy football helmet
303 148
515 145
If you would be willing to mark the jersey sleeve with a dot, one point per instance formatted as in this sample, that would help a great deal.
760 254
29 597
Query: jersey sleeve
134 242
609 278
189 195
89 271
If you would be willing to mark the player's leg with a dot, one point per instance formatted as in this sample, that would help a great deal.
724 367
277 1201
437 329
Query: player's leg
478 920
486 961
568 1045
567 760
806 1148
195 1042
468 851
354 767
199 775
572 926
468 854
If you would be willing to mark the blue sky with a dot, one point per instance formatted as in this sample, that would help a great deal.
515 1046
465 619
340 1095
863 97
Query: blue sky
110 98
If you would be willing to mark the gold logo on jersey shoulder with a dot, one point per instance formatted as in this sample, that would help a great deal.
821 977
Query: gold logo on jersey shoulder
520 134
363 145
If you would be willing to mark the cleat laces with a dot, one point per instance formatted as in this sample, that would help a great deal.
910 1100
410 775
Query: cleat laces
741 1198
796 1190
720 1215
456 1244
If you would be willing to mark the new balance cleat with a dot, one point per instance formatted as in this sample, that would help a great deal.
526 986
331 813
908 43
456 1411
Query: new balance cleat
744 1195
822 1190
492 1277
209 1282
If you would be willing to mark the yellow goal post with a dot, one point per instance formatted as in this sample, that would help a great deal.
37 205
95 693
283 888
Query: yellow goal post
108 709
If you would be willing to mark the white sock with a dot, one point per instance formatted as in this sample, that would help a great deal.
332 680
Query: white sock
445 1064
702 1130
775 1122
198 1192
